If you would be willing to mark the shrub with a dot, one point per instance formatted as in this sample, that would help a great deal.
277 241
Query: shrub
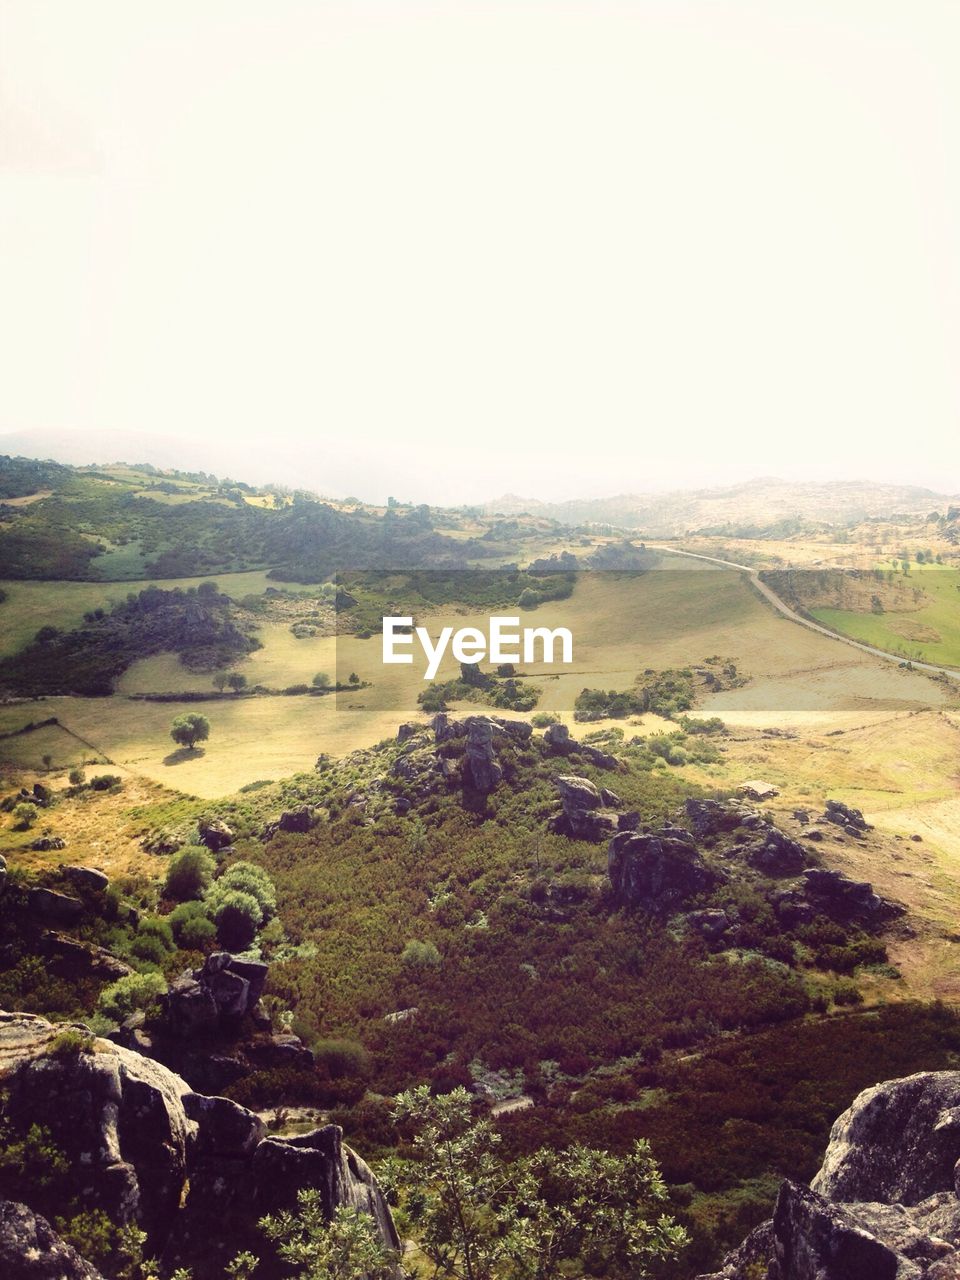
247 877
148 948
192 927
105 782
127 995
189 874
77 777
420 955
543 719
157 927
70 1042
341 1058
238 916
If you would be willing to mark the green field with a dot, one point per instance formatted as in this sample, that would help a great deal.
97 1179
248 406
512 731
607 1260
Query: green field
32 605
622 625
928 634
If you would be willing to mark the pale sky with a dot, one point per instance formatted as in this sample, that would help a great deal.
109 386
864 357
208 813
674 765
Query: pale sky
456 249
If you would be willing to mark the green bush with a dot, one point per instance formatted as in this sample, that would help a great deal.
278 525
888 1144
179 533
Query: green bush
338 1058
157 927
70 1043
127 995
192 927
238 916
24 816
148 948
246 877
189 874
420 955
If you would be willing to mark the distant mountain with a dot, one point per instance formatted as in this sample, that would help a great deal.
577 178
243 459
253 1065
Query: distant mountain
754 504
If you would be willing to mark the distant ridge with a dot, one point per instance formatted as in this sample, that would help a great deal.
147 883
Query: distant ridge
762 502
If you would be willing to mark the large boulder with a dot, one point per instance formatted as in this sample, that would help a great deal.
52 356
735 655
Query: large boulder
215 997
195 1173
657 872
884 1205
841 898
775 854
86 878
583 816
30 1249
715 817
215 834
58 908
482 770
898 1141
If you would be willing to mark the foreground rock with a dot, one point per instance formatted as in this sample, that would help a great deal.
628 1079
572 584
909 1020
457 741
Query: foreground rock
195 1173
884 1205
30 1249
584 815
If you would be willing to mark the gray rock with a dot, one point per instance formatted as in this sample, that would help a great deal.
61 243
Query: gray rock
215 834
59 908
657 873
838 896
44 844
711 817
557 738
777 855
224 1127
481 769
898 1141
843 816
817 1240
300 820
30 1249
609 799
86 878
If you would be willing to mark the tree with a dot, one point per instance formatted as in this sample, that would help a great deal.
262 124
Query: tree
479 1218
220 681
348 1247
238 916
353 678
236 681
24 815
190 729
321 680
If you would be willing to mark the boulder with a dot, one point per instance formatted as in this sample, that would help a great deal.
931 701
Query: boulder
86 878
710 923
68 957
59 908
843 815
30 1249
776 854
898 1141
44 844
481 769
711 817
195 1173
657 872
215 834
583 816
557 738
838 896
609 799
884 1205
445 728
299 820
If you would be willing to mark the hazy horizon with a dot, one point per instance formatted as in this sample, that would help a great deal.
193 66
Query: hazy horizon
448 251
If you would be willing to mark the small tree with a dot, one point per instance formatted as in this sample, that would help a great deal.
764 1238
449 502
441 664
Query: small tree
321 680
353 678
24 815
348 1247
77 777
190 729
238 916
220 681
236 681
480 1218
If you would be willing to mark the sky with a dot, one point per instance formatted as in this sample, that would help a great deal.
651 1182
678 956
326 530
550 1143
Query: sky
452 250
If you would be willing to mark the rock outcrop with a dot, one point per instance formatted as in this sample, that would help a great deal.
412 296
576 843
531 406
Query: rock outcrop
584 815
195 1173
557 740
481 770
658 872
843 899
841 815
884 1205
30 1249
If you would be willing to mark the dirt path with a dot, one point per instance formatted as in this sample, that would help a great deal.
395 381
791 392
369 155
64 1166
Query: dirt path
753 576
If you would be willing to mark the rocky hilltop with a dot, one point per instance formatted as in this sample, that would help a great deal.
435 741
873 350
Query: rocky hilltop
885 1204
194 1173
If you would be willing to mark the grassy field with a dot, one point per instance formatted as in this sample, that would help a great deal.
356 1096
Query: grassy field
32 605
622 625
928 634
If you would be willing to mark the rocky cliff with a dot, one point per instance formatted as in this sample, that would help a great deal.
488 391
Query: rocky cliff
195 1173
885 1203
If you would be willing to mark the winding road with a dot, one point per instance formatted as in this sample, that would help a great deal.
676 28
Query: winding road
753 576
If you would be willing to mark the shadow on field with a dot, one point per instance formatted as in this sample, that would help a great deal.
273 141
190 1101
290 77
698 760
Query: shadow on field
183 754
